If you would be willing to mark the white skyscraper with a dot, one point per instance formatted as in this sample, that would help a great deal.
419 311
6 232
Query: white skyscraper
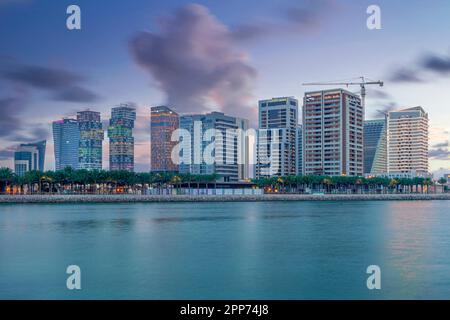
407 135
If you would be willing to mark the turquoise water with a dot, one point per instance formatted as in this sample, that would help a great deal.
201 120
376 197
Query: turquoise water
254 250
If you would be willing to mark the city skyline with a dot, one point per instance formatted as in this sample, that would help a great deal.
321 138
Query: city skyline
27 106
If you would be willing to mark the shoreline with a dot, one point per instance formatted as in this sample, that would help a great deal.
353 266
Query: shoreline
123 198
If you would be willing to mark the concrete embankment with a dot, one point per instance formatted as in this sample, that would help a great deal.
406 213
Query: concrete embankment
210 198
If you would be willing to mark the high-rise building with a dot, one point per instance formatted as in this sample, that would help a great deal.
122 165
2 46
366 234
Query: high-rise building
121 140
243 148
375 146
212 147
66 138
299 145
407 139
164 122
29 157
276 142
333 133
90 149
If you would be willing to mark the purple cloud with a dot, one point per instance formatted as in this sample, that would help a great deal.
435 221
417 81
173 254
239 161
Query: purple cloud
437 64
301 18
196 63
63 85
405 75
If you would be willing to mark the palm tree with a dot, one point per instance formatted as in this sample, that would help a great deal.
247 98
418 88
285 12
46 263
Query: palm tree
6 177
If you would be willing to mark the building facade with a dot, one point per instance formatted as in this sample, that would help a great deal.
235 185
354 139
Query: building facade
375 147
333 133
29 157
407 139
90 149
243 145
66 138
164 122
121 140
299 145
276 150
212 146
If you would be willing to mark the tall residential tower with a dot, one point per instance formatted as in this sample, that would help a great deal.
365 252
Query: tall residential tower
164 122
91 139
407 138
333 133
121 140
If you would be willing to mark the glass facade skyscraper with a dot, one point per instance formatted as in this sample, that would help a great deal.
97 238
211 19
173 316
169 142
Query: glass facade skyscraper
91 139
121 140
30 157
164 122
375 146
277 142
205 131
66 137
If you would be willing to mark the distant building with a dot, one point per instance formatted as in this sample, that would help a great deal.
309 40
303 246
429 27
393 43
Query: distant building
375 146
121 140
299 161
164 122
90 150
333 133
66 138
407 139
243 149
29 157
276 141
223 159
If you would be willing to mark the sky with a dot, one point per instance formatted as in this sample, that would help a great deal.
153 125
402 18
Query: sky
214 55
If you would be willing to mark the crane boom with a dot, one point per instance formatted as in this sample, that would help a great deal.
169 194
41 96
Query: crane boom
362 84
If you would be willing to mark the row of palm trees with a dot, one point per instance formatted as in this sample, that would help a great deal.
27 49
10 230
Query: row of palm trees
101 181
347 184
96 181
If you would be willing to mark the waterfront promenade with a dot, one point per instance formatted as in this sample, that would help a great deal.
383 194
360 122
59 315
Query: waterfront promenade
215 198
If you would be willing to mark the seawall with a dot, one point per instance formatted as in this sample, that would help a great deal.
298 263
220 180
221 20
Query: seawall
211 198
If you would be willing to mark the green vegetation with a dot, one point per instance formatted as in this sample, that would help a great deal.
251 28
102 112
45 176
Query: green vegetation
344 184
69 181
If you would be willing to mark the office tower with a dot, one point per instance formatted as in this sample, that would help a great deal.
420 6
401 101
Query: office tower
90 150
212 147
243 145
276 141
164 122
407 135
121 140
66 138
375 146
299 145
29 157
333 133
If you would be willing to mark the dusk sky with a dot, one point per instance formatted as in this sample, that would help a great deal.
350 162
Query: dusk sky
214 55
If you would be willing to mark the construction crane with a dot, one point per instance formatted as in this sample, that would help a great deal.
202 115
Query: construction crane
361 83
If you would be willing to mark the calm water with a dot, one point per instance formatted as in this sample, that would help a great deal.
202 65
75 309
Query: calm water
295 250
